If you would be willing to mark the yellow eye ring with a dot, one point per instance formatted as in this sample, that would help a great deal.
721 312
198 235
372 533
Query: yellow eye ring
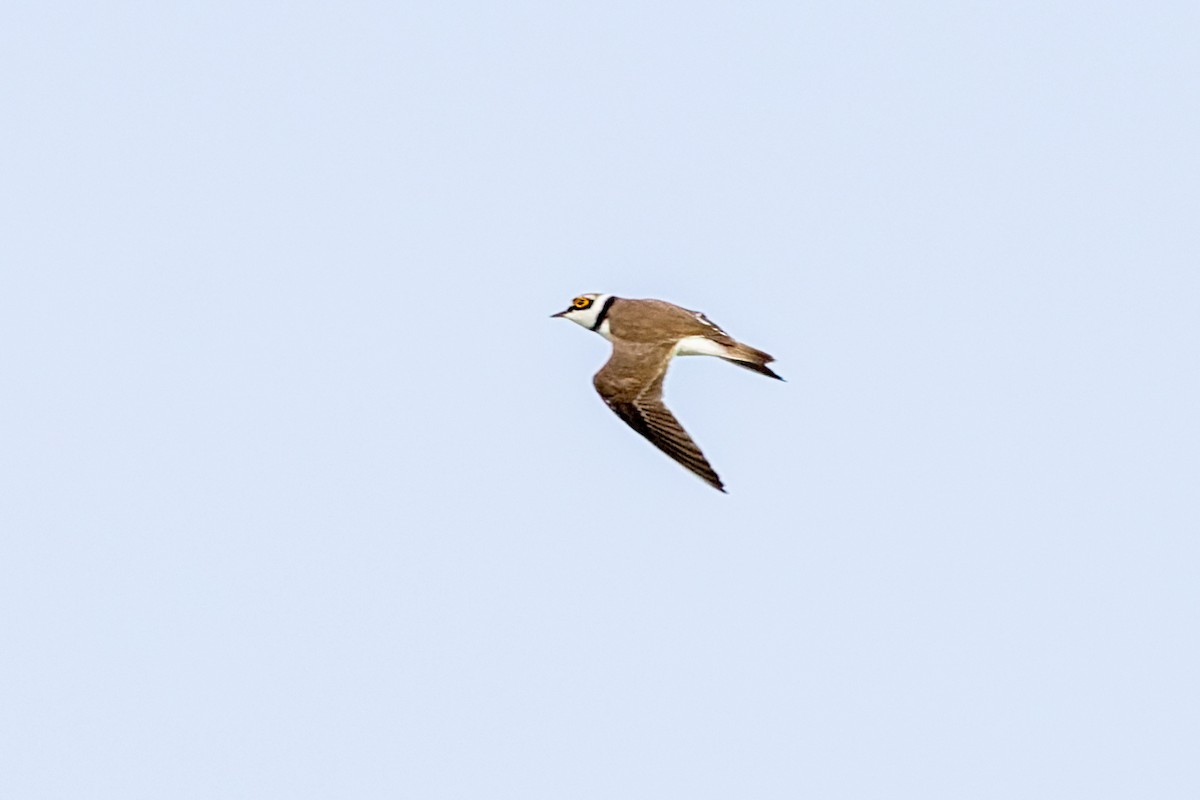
582 302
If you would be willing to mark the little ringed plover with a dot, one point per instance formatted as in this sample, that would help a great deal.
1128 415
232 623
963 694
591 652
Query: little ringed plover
645 336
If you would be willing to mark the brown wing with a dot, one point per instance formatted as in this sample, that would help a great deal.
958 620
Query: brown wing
631 384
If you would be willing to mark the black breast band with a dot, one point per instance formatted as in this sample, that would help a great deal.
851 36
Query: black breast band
603 313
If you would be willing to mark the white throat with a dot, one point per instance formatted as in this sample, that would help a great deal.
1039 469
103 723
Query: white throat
586 317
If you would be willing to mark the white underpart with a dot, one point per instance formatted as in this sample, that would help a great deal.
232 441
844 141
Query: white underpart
699 346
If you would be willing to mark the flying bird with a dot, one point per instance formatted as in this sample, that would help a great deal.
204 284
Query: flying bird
646 335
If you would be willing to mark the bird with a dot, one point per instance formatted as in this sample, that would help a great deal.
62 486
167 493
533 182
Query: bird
645 336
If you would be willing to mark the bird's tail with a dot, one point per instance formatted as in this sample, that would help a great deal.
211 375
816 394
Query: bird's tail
746 356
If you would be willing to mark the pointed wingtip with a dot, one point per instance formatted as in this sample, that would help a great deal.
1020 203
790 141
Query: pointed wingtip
754 366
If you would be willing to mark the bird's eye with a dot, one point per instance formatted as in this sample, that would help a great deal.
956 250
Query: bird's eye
582 302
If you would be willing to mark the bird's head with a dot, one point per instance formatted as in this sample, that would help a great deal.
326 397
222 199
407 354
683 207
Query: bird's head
585 310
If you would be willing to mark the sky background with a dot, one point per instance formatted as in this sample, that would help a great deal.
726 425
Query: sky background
305 496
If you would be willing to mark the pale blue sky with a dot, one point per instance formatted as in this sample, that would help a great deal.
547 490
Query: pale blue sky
306 497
